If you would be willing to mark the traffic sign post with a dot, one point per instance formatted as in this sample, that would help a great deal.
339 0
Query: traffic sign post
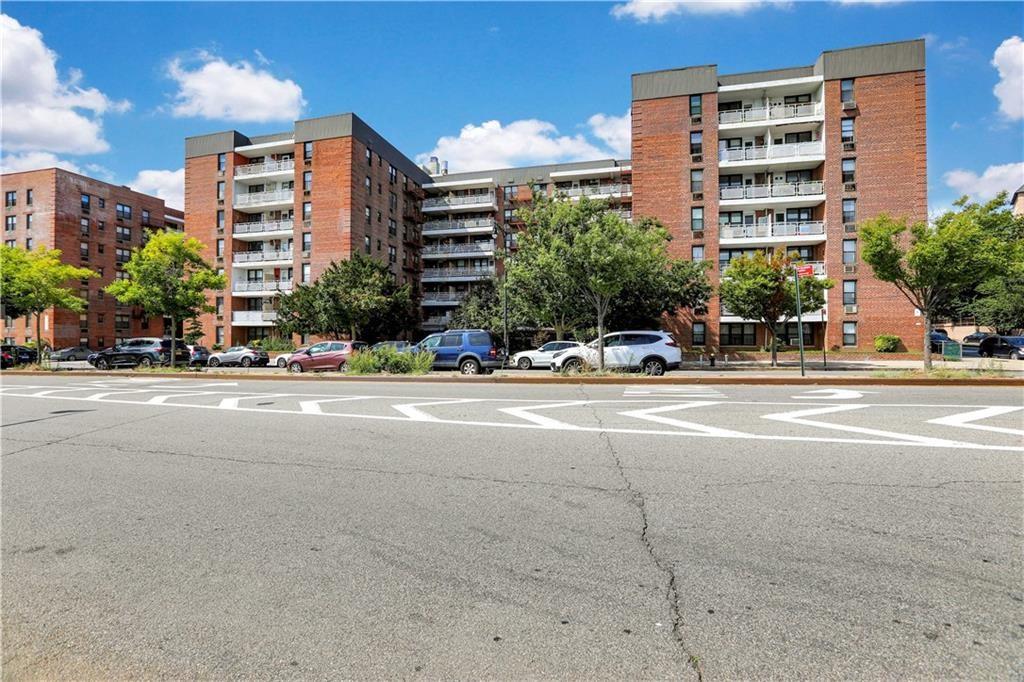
798 272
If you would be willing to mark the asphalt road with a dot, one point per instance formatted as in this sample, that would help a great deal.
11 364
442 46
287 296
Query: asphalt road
157 527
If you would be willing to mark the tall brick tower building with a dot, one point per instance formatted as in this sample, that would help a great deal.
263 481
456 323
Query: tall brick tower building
277 209
791 158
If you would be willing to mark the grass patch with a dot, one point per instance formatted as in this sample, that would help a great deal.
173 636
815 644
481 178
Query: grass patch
940 373
388 360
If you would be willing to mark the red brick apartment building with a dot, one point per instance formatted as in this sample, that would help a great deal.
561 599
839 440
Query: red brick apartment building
95 224
275 210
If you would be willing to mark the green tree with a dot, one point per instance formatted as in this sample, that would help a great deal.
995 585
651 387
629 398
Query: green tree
1000 300
761 287
168 277
35 281
483 308
933 266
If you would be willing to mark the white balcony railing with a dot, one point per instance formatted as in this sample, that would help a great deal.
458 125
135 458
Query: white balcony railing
445 249
765 230
453 273
263 226
773 113
258 256
448 225
775 151
460 200
278 196
595 190
254 316
443 296
782 189
264 168
269 286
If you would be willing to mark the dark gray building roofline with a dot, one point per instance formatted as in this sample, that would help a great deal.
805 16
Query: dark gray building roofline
526 174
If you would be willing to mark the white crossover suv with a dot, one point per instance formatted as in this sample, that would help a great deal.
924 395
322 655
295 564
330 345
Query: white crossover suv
649 352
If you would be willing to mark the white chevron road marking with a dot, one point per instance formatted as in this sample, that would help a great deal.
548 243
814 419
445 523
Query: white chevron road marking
799 417
963 419
526 412
654 414
313 406
412 411
832 394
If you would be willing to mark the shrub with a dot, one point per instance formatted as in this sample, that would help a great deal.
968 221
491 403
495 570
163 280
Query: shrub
887 343
388 360
277 344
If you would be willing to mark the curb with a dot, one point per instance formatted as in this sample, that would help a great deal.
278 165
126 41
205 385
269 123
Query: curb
558 380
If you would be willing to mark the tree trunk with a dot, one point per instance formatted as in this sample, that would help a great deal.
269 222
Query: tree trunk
927 341
559 332
353 333
775 346
39 339
174 328
600 340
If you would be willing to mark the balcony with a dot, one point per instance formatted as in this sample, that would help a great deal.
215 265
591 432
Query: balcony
263 229
778 194
464 202
596 191
253 318
259 201
259 259
726 315
437 322
452 227
457 250
775 114
771 234
261 288
778 156
456 274
253 170
436 298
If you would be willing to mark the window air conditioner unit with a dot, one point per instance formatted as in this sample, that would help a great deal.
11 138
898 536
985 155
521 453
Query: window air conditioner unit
849 186
307 223
307 162
849 227
696 120
849 269
220 174
698 196
697 234
306 254
847 106
849 309
849 146
697 158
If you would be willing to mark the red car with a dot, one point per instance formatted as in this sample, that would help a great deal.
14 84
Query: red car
325 355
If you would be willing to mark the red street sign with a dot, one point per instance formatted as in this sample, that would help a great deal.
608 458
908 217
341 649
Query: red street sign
805 270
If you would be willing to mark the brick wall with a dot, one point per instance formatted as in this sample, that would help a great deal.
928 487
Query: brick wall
201 206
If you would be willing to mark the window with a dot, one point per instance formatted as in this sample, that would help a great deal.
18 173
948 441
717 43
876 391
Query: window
28 197
738 334
695 105
10 199
29 243
368 213
792 138
510 192
10 223
849 292
451 341
123 211
367 244
849 333
368 185
100 249
846 126
122 255
220 190
696 142
306 273
697 180
849 210
86 202
392 201
849 170
697 253
307 241
378 245
392 174
699 334
307 210
697 218
392 227
379 216
103 202
218 335
846 90
307 180
392 254
849 251
307 151
145 217
220 220
10 242
220 248
83 250
101 224
124 233
28 221
219 305
84 226
222 162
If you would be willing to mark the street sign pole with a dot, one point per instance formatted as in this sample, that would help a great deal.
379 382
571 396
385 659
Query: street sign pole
799 319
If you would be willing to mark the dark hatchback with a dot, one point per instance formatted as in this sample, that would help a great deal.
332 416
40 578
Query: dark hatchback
1011 347
143 352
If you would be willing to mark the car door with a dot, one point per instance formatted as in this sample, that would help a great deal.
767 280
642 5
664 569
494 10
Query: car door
316 353
544 354
335 355
448 350
615 354
429 345
126 353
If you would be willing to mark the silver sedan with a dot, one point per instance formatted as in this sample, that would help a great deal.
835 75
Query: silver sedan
240 355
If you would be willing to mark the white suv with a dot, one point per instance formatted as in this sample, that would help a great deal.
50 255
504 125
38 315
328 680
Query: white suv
649 352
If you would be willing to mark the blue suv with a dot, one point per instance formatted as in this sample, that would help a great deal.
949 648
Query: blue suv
471 351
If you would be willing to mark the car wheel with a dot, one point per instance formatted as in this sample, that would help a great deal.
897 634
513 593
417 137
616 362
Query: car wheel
281 363
341 366
654 367
524 363
572 366
213 362
102 364
1015 355
246 362
469 366
295 368
145 361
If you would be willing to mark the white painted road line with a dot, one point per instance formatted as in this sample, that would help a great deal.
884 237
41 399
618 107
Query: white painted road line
964 418
799 417
832 394
526 412
654 414
232 403
412 411
313 406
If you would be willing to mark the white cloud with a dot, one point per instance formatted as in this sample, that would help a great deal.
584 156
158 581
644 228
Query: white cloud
167 184
13 163
657 10
995 179
42 111
614 131
1009 61
956 125
520 143
210 87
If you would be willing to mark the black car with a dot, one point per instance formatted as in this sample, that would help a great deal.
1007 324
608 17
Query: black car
972 342
142 352
1011 347
22 355
937 338
73 353
6 360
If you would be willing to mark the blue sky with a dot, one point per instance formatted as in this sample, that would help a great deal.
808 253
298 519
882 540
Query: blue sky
113 88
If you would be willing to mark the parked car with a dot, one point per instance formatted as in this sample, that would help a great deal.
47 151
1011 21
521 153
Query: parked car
326 355
240 355
400 346
72 353
470 351
937 338
541 357
282 359
22 355
93 357
972 342
142 352
6 360
200 355
995 346
650 352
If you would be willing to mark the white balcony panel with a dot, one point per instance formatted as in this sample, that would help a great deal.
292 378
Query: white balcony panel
457 250
794 194
456 274
596 191
253 318
441 228
257 202
265 229
253 173
778 114
244 288
777 156
772 234
470 202
443 298
260 259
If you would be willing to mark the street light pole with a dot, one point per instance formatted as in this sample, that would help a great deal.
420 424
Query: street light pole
504 287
